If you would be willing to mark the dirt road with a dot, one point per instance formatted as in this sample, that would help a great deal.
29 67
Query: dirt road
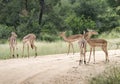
53 69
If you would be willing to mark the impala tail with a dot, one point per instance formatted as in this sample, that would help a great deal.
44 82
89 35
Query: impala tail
32 46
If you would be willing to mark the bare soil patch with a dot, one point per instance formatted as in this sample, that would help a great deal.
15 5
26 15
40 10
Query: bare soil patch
54 69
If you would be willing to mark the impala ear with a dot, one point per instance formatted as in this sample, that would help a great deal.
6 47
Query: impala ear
60 33
13 33
88 30
83 32
64 31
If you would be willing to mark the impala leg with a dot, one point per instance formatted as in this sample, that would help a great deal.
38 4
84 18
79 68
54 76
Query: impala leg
90 54
35 50
94 54
28 49
17 51
13 52
81 53
23 50
84 56
106 53
68 49
80 61
107 58
72 48
10 51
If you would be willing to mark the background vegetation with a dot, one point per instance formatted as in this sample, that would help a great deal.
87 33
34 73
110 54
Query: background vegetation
73 16
22 16
110 76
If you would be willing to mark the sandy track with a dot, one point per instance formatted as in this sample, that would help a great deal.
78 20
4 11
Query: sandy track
53 69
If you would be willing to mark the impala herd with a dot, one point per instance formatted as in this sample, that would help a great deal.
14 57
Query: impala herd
27 40
83 40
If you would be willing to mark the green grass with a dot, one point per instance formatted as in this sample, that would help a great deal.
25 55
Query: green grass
114 33
113 37
43 48
110 76
58 47
47 48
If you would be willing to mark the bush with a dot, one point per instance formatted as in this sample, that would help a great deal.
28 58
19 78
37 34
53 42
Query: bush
110 76
79 24
114 33
5 32
24 29
49 38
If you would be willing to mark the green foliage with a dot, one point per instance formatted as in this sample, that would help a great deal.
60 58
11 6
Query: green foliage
5 31
28 25
58 15
114 33
90 8
109 21
24 29
79 24
48 37
110 76
10 12
114 3
118 10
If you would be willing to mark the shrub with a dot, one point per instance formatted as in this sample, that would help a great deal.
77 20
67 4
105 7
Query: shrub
114 33
79 24
5 32
109 76
49 38
24 29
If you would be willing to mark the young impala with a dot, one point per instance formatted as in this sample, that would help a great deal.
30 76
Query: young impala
70 40
29 40
96 43
13 44
82 45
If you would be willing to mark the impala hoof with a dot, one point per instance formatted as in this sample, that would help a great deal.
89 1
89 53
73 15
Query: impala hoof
13 56
80 62
94 63
35 54
84 62
17 55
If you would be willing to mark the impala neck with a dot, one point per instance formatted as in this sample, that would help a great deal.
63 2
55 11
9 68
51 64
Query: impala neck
65 38
87 36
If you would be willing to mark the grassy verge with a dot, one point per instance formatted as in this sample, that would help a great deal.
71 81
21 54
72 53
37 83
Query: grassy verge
43 48
58 47
114 33
110 76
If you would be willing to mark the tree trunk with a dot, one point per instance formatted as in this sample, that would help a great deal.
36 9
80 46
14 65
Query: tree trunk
41 10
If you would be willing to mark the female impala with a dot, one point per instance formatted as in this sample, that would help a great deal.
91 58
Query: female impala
82 44
96 43
13 44
29 40
70 39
